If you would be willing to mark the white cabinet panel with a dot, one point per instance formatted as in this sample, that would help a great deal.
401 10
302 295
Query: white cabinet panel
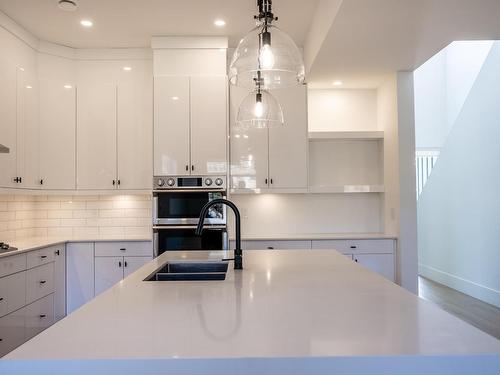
275 245
8 125
39 257
59 282
108 271
288 144
39 282
12 331
132 264
12 292
208 125
130 248
79 274
96 136
383 264
357 246
57 135
171 126
135 134
39 315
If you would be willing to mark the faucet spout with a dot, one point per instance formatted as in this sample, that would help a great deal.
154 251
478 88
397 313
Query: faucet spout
238 253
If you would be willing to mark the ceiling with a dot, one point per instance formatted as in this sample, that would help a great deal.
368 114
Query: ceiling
361 41
131 23
369 39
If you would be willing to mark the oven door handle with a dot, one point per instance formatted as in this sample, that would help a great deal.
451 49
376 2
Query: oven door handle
169 227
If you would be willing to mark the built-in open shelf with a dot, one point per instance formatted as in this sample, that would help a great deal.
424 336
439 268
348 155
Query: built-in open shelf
347 189
361 135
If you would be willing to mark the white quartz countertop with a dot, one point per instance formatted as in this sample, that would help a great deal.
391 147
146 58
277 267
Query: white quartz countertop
33 243
283 304
316 236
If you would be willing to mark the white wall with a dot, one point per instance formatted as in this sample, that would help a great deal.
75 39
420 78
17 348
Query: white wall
342 109
459 208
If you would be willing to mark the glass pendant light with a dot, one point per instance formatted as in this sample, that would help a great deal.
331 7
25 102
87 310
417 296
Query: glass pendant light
268 50
259 109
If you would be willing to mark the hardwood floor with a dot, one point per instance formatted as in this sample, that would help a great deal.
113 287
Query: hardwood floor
481 315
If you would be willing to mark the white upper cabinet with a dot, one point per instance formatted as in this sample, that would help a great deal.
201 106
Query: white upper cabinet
288 144
171 126
135 134
96 136
274 158
57 135
8 126
190 125
208 125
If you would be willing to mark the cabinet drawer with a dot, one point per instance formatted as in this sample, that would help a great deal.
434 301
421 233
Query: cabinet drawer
12 292
12 331
114 249
39 282
12 264
383 264
274 245
41 256
383 246
39 315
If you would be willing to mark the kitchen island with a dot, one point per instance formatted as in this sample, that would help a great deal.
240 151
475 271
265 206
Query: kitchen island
294 312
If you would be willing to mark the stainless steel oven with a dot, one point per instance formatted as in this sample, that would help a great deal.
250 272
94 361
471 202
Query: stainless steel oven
179 200
177 203
183 238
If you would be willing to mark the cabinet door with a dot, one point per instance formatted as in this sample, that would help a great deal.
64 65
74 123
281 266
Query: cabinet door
39 315
171 126
57 135
12 331
108 271
132 264
79 275
96 136
383 264
248 149
59 282
27 128
135 135
288 144
208 125
8 126
12 292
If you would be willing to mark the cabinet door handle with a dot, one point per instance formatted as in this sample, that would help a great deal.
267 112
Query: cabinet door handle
192 167
270 247
265 181
20 180
119 182
43 256
41 181
119 264
353 246
271 181
114 182
187 167
125 264
42 316
1 299
123 249
57 252
43 281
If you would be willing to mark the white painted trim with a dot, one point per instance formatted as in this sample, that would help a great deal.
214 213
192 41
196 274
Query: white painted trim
114 54
361 135
481 292
189 42
347 189
19 32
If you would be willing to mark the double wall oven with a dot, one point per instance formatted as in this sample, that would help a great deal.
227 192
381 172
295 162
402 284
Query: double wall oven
177 202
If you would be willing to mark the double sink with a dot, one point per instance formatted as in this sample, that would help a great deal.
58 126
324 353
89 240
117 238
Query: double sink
205 270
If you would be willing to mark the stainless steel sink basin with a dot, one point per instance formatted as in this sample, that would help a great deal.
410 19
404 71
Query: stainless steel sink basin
190 271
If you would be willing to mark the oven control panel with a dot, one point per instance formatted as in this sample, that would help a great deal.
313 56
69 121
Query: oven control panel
189 182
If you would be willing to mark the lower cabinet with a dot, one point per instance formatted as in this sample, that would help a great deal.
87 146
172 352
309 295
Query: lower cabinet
39 315
79 274
12 331
111 270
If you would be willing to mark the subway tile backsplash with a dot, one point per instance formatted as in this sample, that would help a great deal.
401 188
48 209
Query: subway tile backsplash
120 216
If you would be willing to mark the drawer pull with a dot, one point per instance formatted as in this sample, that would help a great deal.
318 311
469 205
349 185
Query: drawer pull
43 282
125 263
1 340
1 299
119 264
42 316
123 249
356 260
353 247
57 252
270 247
43 256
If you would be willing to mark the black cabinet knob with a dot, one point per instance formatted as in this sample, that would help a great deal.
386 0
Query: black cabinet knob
43 281
42 316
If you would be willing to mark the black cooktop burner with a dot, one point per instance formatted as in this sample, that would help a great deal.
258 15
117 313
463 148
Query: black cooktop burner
6 247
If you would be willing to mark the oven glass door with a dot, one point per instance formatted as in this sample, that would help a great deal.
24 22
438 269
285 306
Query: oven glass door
185 239
185 207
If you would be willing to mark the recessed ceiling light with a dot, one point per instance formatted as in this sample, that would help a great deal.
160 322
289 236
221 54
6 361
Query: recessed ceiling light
337 83
220 23
86 23
175 98
68 86
127 68
67 5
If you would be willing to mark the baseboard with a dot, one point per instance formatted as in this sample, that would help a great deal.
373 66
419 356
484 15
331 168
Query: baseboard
481 292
